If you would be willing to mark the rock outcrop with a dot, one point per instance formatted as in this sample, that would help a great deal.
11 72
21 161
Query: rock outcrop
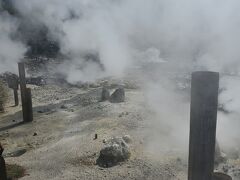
118 96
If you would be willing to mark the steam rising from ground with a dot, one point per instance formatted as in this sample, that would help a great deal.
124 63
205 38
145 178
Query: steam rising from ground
186 34
11 51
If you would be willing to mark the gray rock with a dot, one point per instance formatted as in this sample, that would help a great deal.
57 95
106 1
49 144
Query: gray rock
118 96
15 153
221 176
127 139
115 150
63 106
43 110
105 94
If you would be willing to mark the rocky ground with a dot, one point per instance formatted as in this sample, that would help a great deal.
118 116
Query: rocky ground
60 143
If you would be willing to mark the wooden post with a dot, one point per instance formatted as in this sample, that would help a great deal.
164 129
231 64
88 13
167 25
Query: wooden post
203 120
22 81
29 111
3 171
13 82
25 95
15 91
1 107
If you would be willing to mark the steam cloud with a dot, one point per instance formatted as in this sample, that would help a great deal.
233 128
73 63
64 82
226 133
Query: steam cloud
11 50
202 34
189 35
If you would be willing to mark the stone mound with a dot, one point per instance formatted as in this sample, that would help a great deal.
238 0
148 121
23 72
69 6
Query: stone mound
115 150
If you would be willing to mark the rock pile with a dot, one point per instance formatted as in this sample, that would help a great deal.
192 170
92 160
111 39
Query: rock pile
115 150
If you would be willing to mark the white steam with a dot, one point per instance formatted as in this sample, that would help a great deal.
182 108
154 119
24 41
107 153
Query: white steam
11 51
194 33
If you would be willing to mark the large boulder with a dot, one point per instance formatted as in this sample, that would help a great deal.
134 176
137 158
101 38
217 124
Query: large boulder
115 150
105 94
118 96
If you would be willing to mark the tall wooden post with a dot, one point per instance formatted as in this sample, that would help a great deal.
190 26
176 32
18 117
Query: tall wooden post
25 95
15 91
3 171
203 120
29 115
13 82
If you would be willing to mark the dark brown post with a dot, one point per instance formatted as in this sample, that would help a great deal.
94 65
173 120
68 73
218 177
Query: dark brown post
15 91
3 171
1 107
13 82
29 111
25 95
203 120
22 81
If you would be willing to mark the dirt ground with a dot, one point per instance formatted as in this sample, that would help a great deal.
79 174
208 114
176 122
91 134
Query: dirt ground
60 143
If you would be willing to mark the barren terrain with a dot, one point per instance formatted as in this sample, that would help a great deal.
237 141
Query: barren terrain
60 143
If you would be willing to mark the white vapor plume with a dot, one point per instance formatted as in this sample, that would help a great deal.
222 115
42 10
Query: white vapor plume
11 51
191 33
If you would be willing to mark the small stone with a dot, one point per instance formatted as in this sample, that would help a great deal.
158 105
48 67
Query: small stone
127 139
63 106
16 153
43 110
35 134
221 176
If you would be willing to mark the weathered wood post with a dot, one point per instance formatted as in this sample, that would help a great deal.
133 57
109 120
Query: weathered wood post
1 107
15 92
3 171
13 83
29 115
203 120
25 95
